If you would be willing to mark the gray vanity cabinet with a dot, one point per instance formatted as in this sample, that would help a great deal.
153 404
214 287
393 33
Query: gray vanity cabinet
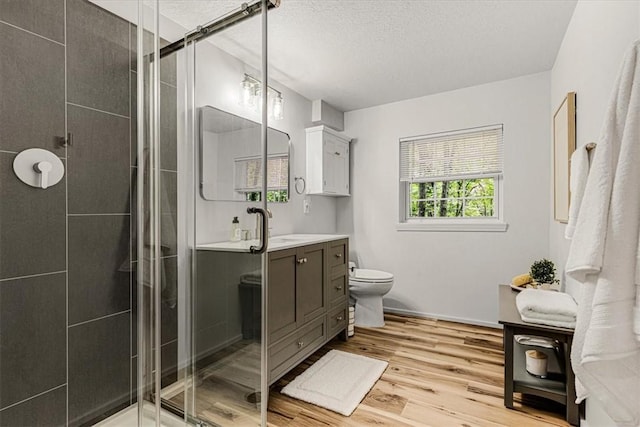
310 278
296 288
281 310
338 275
307 299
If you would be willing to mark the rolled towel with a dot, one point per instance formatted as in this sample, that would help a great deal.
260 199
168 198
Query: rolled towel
547 308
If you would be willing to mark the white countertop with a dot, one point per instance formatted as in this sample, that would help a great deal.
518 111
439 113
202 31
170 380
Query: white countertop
276 243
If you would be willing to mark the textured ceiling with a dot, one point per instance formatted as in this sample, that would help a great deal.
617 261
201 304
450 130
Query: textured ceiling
361 53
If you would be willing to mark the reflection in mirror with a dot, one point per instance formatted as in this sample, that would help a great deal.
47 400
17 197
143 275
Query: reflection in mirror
230 159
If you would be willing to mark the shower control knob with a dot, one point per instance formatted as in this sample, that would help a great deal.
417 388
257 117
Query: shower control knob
43 168
38 168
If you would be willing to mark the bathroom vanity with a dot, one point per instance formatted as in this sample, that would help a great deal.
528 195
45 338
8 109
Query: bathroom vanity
307 295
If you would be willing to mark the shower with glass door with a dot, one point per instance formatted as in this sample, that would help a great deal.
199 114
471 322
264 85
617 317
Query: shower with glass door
113 308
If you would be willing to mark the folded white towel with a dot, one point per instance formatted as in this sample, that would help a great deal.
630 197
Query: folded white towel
577 183
547 308
549 320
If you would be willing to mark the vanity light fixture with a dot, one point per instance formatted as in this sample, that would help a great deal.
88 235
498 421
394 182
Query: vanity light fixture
277 110
251 94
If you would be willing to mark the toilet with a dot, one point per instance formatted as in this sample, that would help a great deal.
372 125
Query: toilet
367 287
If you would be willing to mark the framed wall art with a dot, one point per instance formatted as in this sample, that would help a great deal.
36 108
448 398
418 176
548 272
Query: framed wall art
564 144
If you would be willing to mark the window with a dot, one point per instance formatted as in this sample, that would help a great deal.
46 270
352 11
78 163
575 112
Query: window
248 178
451 179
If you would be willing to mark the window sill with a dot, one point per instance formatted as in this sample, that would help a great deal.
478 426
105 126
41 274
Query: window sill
491 226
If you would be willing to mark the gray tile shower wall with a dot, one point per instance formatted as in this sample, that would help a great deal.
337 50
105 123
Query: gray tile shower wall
30 319
97 58
45 18
32 105
67 264
91 345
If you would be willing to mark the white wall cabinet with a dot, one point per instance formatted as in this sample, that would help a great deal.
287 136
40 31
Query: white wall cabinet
327 162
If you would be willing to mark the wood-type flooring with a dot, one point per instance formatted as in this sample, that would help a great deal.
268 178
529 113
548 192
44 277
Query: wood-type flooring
440 374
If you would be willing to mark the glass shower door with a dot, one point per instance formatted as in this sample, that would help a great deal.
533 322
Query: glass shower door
222 244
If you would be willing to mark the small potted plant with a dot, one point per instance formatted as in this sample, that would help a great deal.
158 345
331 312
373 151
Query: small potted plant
543 273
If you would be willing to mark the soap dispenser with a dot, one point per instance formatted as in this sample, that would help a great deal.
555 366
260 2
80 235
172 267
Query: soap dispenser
236 233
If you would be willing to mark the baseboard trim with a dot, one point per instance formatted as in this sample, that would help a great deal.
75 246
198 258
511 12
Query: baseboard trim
421 314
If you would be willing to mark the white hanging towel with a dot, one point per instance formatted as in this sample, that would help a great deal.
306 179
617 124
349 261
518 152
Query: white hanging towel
604 258
577 183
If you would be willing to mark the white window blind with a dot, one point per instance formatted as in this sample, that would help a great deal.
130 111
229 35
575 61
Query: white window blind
248 176
452 155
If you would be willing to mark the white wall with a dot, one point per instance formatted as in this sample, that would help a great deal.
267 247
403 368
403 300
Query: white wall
451 274
588 61
218 77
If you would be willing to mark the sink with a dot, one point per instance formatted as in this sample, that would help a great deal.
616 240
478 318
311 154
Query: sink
288 239
275 243
280 240
293 238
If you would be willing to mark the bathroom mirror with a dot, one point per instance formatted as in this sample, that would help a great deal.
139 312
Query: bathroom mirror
230 159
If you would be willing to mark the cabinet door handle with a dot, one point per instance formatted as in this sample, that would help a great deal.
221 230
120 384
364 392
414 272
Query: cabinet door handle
300 344
337 153
300 260
339 318
339 287
338 255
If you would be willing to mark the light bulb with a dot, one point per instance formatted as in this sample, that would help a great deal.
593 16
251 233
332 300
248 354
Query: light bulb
258 98
278 107
246 93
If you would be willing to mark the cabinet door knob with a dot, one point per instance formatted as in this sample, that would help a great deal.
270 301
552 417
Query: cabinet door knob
339 287
300 344
337 153
339 318
305 260
338 255
300 260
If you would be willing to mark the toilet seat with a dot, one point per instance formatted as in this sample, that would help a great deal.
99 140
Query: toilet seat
372 276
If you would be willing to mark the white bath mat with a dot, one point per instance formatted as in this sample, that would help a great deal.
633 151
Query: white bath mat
338 381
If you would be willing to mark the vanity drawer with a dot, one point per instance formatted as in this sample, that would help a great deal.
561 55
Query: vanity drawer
337 290
338 253
294 348
337 320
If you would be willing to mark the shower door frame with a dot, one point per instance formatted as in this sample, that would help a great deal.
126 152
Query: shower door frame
148 205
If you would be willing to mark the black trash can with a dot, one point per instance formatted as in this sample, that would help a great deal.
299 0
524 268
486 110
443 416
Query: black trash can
250 305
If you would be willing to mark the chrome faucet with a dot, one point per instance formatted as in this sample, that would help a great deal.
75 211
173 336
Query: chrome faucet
259 225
